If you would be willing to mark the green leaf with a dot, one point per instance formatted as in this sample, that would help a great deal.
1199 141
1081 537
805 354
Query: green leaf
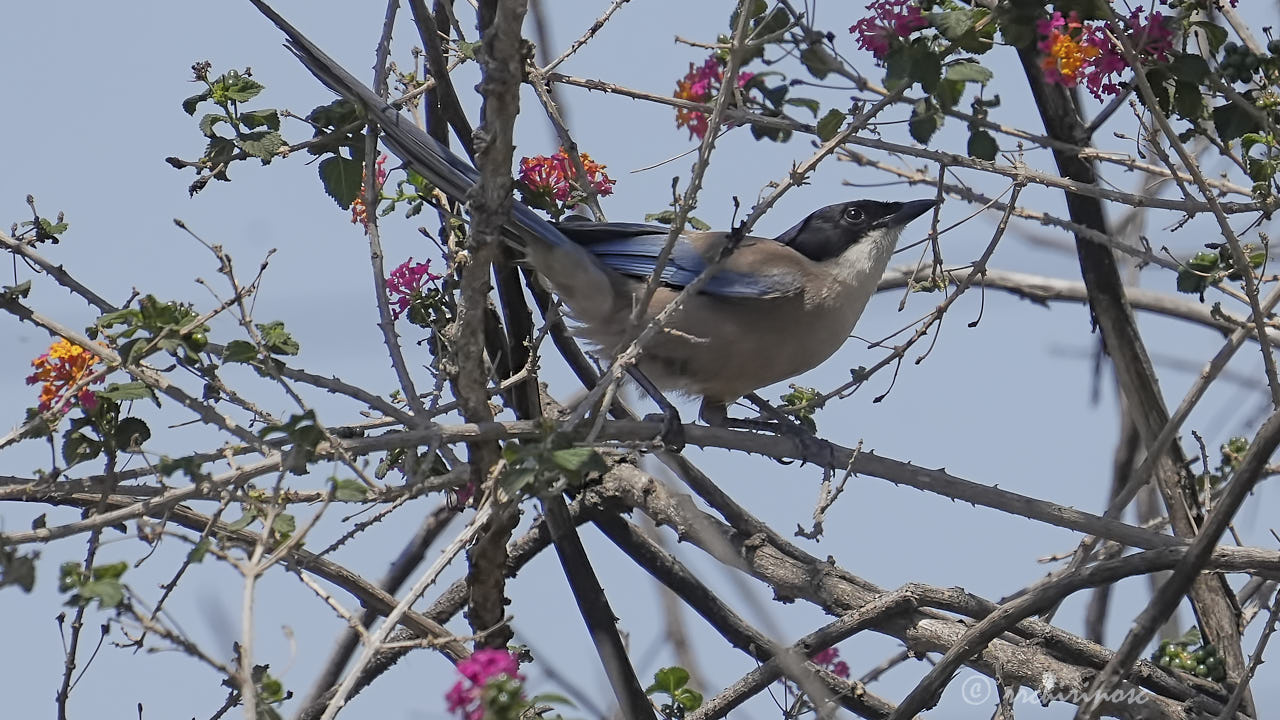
818 61
241 87
551 699
284 524
776 95
1232 122
305 435
924 121
121 392
419 183
268 118
342 179
261 144
70 576
953 24
689 699
109 572
1189 67
898 67
1158 78
209 122
9 293
515 479
1260 171
468 49
967 71
131 432
1215 33
1188 100
189 105
1198 273
48 230
219 151
108 593
127 316
16 569
958 26
1191 282
239 351
809 103
668 680
776 21
578 460
982 145
949 93
926 67
188 465
198 551
276 339
244 521
78 447
830 124
349 490
336 114
271 690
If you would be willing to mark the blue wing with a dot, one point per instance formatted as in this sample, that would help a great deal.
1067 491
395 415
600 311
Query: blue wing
632 249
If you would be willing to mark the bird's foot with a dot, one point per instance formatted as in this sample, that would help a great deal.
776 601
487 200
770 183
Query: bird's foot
672 433
808 444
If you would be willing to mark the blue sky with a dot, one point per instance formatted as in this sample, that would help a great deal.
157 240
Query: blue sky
94 106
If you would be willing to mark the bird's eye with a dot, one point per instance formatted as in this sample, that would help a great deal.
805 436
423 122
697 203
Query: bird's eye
854 215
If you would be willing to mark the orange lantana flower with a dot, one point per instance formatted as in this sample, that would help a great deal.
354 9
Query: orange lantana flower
64 366
1066 51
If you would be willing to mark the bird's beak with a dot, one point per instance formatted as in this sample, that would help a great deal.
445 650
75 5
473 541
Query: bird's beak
906 212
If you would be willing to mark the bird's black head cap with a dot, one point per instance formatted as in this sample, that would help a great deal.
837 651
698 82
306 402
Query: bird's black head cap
828 232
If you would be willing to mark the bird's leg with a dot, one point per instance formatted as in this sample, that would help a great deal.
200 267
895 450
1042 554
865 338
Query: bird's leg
717 414
672 434
786 423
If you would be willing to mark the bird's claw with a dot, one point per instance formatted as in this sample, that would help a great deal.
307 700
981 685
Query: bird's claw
672 433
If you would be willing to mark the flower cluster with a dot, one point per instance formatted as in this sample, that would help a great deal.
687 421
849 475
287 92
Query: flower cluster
359 213
549 183
1077 53
407 285
64 366
491 686
700 85
890 21
829 660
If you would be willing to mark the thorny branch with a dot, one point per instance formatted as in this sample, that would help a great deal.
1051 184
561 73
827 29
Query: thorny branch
1001 640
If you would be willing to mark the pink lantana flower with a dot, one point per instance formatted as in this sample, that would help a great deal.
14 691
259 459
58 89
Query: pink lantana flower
547 183
890 21
701 84
830 659
486 671
1152 38
1075 53
407 284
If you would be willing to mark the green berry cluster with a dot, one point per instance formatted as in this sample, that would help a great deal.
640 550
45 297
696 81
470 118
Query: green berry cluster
1239 64
1202 661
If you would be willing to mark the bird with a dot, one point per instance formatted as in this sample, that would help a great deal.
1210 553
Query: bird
773 309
